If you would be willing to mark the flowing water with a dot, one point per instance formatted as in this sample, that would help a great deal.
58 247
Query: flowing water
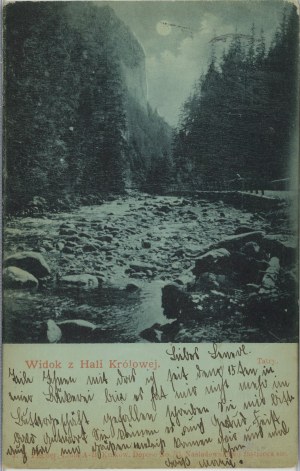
164 233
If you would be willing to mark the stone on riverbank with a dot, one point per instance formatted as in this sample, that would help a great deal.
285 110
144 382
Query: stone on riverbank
214 261
137 270
285 251
161 333
225 280
16 278
32 262
176 302
132 287
270 278
84 281
235 242
54 333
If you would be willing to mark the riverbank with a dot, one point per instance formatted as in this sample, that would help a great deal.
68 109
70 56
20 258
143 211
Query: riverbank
133 246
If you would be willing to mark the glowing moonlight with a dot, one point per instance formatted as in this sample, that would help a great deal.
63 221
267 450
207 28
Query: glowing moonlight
163 28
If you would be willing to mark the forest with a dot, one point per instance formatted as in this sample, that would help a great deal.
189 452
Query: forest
242 115
73 130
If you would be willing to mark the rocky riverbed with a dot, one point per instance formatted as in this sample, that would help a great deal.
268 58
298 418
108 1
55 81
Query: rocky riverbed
110 268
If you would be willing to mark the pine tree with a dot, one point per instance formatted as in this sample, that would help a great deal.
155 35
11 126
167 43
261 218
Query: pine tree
242 116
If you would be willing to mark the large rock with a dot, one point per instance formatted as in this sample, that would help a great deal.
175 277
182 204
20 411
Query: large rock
54 333
246 269
32 262
16 278
251 249
152 334
84 281
286 251
176 302
105 238
132 287
68 231
207 281
161 333
164 208
141 267
67 225
69 330
90 247
270 278
214 261
235 242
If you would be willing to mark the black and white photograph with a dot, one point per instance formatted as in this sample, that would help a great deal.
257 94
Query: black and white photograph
150 172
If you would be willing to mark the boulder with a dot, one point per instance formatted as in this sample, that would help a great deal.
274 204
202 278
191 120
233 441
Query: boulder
214 261
71 244
286 251
84 234
66 231
69 330
105 238
33 262
179 253
89 248
152 334
270 278
146 244
245 269
141 267
235 242
54 333
47 245
205 281
132 287
176 302
16 278
60 245
161 333
72 238
68 250
251 249
84 281
67 225
164 208
232 243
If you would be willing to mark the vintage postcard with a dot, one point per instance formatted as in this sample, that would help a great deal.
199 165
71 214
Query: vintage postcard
150 234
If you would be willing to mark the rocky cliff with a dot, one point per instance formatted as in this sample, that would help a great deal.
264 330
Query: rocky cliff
89 18
77 119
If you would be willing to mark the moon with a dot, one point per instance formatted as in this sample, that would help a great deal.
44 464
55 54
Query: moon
163 28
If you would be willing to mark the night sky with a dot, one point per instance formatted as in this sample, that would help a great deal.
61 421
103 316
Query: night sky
175 56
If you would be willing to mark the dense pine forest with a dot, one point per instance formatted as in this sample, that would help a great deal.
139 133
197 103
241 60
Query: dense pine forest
72 125
241 117
77 123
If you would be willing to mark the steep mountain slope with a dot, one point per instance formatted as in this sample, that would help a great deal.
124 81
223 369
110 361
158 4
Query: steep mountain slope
77 120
